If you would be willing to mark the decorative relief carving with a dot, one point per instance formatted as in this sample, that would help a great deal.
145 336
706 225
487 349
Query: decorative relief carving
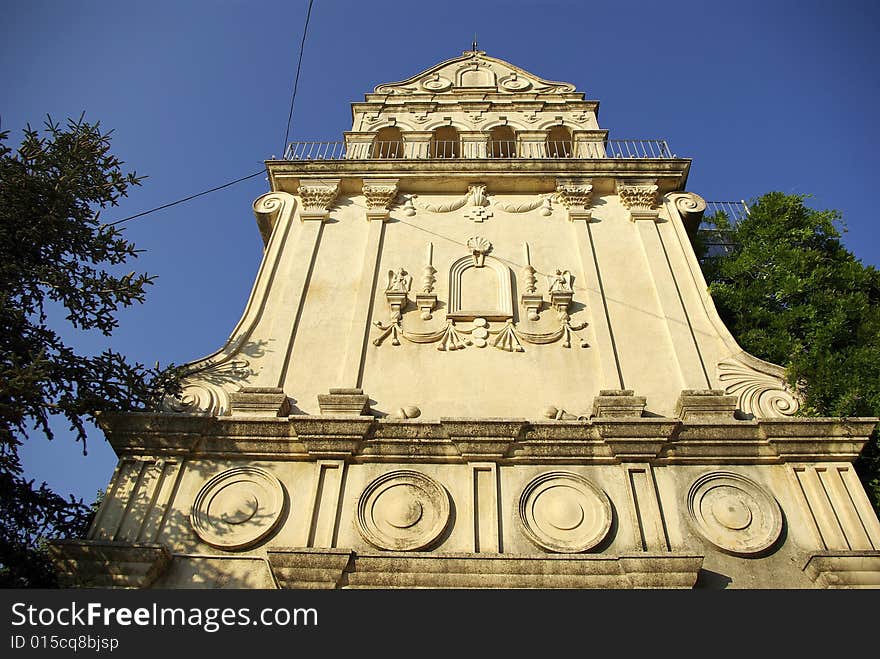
560 281
513 83
317 196
408 208
759 394
502 309
531 300
427 299
563 512
403 510
640 198
526 206
436 83
202 391
690 204
573 195
479 247
237 508
474 69
480 334
479 202
380 195
734 513
447 207
428 278
399 281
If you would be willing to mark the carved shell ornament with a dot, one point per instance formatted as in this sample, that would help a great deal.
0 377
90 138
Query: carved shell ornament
479 247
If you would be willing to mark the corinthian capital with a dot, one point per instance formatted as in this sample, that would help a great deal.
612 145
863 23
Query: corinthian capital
317 195
379 194
639 197
576 194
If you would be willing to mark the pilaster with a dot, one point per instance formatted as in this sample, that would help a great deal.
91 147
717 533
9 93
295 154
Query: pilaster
639 197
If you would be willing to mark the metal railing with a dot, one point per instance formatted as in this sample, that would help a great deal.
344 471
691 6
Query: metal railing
734 210
717 241
489 149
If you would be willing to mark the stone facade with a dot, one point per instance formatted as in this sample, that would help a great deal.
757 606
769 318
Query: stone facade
480 352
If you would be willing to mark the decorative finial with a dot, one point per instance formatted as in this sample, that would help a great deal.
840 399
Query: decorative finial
474 48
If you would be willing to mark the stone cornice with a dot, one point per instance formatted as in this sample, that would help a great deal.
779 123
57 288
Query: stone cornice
595 441
670 173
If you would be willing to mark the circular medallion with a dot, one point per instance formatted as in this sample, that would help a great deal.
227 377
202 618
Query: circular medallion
514 83
237 508
403 511
436 83
563 512
734 513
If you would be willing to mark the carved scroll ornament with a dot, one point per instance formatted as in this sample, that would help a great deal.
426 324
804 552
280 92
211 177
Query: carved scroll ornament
203 392
760 394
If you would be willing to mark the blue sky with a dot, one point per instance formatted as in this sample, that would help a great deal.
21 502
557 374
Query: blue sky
761 95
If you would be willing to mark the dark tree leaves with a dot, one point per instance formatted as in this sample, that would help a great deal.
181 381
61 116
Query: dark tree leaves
792 294
59 263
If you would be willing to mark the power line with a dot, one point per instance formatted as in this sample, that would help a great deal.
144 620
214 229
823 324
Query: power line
180 201
296 79
243 178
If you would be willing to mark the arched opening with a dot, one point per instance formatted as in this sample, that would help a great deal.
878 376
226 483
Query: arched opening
559 142
388 143
502 142
445 143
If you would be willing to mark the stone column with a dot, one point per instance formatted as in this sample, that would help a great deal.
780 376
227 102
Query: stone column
639 197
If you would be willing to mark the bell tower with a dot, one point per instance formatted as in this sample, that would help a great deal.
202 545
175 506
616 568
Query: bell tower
479 352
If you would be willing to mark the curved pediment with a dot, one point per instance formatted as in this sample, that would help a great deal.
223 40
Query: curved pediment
475 71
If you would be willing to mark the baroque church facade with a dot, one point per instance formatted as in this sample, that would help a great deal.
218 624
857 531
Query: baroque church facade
480 352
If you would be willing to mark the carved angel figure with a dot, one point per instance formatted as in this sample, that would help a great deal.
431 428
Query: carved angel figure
399 281
561 281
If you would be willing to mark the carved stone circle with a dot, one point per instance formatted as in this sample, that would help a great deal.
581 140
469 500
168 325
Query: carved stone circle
734 513
237 508
564 512
403 510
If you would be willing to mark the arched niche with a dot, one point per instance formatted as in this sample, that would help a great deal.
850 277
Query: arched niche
388 143
480 288
559 142
445 142
502 142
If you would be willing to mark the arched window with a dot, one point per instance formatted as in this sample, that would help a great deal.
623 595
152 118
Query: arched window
388 143
445 143
559 142
502 142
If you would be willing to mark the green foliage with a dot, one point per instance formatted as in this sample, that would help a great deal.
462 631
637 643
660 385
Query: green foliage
792 294
58 262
